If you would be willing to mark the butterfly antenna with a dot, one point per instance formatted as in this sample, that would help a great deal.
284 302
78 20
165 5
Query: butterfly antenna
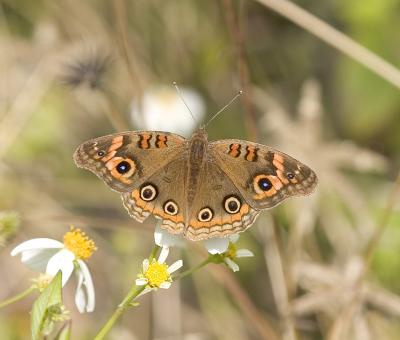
230 102
183 100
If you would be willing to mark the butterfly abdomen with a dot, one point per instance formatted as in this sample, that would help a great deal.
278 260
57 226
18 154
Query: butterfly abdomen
197 148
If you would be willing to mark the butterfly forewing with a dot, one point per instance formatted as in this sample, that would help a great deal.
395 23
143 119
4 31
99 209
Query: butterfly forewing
124 160
264 176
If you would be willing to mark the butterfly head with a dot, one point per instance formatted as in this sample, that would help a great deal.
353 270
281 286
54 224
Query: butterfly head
200 134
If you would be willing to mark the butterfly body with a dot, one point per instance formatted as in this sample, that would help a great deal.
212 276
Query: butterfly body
197 158
197 188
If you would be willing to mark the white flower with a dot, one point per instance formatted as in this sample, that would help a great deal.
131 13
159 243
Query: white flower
157 274
163 238
232 253
162 109
50 256
216 245
224 246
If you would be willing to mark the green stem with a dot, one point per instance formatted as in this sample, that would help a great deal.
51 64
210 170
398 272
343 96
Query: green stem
17 297
135 291
132 294
192 270
154 252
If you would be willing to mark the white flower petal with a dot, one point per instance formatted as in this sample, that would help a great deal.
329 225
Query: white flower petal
145 265
141 282
175 266
163 254
63 261
244 253
165 285
80 298
163 238
216 245
231 264
234 238
36 243
37 259
88 285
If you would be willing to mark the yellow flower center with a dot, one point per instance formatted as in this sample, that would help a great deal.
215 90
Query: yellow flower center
156 274
231 251
76 241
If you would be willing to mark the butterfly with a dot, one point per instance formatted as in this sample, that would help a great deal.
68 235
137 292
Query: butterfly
199 189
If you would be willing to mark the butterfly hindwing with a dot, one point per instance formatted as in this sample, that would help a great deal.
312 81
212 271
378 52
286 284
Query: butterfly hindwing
218 209
161 195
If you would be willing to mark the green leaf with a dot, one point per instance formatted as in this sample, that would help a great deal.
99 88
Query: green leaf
51 296
65 332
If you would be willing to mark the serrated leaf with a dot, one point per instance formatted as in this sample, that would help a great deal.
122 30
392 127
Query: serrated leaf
65 332
50 296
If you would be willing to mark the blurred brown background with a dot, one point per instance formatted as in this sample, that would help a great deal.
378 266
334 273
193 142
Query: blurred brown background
74 70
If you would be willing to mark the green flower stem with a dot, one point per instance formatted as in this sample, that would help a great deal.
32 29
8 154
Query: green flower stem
154 252
208 260
17 297
133 293
126 302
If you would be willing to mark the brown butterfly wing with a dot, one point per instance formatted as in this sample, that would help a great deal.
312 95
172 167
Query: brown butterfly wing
264 176
237 180
218 209
214 192
124 160
168 200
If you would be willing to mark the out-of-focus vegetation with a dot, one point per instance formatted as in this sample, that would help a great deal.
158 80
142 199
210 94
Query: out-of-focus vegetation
71 71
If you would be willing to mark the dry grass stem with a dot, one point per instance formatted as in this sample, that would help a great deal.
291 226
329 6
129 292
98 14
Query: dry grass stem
236 33
226 278
340 326
335 38
279 285
120 13
25 104
116 119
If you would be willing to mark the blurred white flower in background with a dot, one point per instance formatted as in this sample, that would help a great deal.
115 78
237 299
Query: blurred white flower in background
46 34
162 109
